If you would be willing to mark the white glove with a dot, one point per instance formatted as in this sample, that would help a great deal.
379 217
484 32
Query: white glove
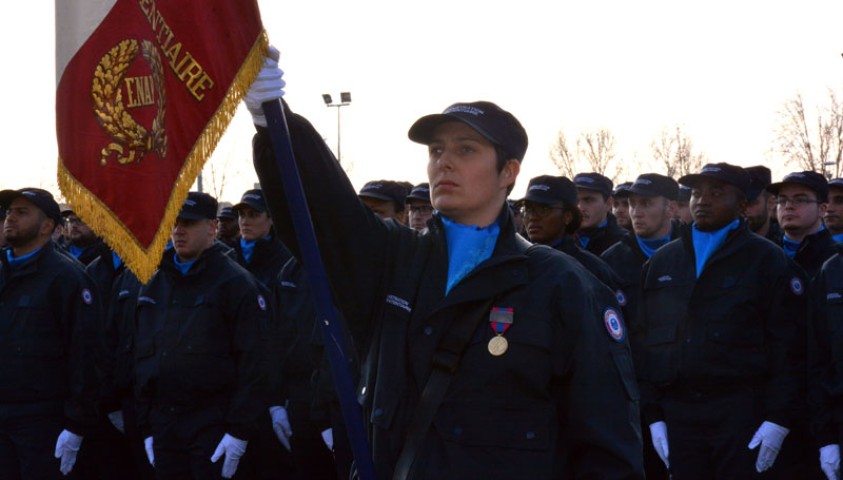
67 446
658 430
268 86
150 453
328 438
830 461
770 436
116 419
233 448
281 425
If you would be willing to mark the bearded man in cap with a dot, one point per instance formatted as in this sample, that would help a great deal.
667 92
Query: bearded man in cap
48 316
761 205
833 218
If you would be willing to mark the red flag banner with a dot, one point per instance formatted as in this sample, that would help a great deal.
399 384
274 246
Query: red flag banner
145 89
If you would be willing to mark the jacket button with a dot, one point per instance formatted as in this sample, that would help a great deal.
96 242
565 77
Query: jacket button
428 330
530 435
378 412
164 354
688 340
457 430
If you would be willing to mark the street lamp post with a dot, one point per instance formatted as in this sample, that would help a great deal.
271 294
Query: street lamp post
345 100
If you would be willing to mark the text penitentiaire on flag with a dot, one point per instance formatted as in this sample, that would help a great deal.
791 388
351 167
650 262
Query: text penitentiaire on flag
145 89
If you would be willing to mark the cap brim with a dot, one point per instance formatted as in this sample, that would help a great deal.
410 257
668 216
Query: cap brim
253 206
541 199
376 196
192 216
422 130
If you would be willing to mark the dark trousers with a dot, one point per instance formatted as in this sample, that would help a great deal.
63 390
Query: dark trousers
708 436
185 441
105 455
266 458
28 435
311 457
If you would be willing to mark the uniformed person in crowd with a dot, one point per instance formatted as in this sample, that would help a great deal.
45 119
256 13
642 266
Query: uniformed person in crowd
552 218
386 198
420 210
261 253
825 354
48 310
229 230
833 218
652 207
802 198
599 229
683 208
761 204
259 250
544 388
199 380
82 243
723 344
620 206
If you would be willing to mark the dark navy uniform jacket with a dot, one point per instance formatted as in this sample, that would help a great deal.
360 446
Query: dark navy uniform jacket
560 403
267 259
740 325
199 341
48 316
603 238
814 250
825 349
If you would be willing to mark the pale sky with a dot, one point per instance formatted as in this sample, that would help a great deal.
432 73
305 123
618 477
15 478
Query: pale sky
721 69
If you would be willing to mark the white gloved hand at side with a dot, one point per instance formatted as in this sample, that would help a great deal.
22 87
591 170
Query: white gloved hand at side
658 430
268 86
67 447
281 425
770 436
830 461
233 448
150 453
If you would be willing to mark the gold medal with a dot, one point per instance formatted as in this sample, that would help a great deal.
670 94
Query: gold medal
498 345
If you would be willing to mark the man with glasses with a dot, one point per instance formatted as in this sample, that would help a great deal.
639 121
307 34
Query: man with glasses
551 217
802 198
833 217
420 210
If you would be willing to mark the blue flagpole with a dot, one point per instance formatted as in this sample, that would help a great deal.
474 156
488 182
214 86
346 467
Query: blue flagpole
331 330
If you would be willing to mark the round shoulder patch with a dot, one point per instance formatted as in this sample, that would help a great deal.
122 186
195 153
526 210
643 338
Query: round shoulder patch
621 297
796 286
86 296
614 324
261 302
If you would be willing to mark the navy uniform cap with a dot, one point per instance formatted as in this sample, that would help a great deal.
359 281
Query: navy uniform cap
253 199
722 172
198 206
387 190
594 181
813 180
41 198
550 190
655 185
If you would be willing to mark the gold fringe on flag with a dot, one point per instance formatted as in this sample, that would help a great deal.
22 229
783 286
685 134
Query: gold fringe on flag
140 260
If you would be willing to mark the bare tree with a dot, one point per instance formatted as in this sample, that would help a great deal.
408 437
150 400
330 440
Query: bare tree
594 148
674 150
562 156
815 145
597 147
218 173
